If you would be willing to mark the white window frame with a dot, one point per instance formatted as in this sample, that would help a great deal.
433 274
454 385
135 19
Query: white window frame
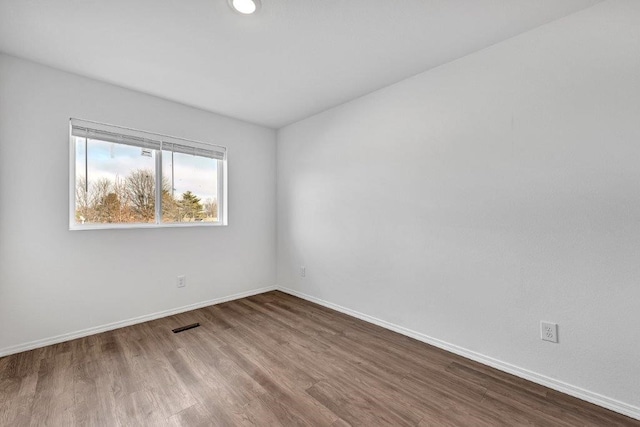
162 140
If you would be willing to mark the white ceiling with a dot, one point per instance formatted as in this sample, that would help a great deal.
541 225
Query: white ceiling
291 60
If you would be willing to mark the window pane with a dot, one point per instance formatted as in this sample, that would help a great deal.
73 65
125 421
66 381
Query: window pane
189 188
115 183
118 171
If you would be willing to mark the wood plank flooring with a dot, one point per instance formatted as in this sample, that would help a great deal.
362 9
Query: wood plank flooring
270 360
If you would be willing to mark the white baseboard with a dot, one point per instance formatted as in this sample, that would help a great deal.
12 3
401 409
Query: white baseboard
580 393
121 324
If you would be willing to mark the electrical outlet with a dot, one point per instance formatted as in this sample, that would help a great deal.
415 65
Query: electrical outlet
549 331
303 271
182 281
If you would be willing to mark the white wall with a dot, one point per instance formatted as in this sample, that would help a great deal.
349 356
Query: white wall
472 201
54 281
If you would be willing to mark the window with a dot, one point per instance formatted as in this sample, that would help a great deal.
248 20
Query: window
122 178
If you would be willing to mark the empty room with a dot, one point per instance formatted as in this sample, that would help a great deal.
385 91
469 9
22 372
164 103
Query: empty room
319 213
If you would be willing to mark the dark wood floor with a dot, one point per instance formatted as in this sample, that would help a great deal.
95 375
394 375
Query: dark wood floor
270 360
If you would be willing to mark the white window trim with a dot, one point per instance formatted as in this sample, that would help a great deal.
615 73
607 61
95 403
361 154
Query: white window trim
221 168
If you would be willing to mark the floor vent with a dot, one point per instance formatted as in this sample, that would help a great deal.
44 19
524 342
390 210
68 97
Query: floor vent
184 328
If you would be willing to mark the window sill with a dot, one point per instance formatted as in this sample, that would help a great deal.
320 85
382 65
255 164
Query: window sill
76 227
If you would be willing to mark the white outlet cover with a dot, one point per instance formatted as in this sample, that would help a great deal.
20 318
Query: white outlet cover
182 281
549 331
303 271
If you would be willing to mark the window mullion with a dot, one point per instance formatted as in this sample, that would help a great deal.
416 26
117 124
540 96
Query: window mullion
158 186
86 165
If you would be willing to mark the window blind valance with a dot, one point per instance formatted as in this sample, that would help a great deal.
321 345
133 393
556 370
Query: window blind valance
142 139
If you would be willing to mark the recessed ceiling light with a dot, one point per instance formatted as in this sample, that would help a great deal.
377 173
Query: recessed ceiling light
245 7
